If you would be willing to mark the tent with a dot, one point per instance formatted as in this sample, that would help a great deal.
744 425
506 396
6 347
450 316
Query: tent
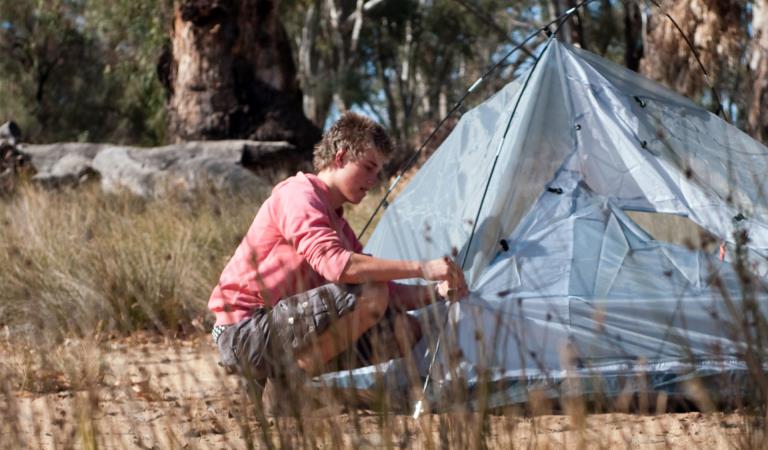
534 189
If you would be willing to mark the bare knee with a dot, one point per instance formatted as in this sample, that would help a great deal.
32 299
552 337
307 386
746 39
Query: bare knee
375 299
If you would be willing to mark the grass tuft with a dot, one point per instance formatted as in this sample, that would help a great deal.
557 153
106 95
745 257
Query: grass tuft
83 263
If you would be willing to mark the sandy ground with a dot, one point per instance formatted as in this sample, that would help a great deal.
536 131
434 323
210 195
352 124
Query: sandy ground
157 395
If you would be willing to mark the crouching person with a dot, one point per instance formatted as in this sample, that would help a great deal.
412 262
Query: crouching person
298 297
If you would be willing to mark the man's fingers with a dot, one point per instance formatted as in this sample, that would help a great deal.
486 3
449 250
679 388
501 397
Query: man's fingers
443 269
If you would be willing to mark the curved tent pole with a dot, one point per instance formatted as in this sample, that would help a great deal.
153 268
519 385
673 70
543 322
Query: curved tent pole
546 29
498 150
559 21
543 29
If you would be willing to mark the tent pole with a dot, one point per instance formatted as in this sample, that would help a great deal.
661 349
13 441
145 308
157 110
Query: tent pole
543 29
418 407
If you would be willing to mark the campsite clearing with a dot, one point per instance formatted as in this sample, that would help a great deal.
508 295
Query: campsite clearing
156 395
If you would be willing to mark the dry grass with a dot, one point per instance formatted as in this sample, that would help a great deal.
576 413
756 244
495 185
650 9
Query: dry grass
97 289
164 393
84 264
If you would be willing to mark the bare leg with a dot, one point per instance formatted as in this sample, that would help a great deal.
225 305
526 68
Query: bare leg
407 333
370 308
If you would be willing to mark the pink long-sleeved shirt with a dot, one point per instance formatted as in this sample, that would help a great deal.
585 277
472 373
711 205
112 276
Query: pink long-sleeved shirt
296 242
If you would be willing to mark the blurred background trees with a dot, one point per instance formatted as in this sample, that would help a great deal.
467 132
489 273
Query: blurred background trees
83 70
88 69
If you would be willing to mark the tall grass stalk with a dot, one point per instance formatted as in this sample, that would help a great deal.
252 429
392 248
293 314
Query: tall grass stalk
84 263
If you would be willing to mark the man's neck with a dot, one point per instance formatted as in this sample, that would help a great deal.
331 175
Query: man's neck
328 178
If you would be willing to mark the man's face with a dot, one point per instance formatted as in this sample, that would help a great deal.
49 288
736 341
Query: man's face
356 177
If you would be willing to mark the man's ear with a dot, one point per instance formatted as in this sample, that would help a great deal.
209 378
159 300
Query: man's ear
340 158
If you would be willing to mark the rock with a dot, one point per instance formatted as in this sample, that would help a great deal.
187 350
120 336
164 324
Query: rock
234 166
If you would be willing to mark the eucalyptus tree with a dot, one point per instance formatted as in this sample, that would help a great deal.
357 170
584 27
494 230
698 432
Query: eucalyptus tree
757 116
230 73
52 75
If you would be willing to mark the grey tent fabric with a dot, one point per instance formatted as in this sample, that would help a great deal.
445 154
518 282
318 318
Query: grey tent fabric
580 289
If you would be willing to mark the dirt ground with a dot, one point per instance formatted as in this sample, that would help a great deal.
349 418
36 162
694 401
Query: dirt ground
157 395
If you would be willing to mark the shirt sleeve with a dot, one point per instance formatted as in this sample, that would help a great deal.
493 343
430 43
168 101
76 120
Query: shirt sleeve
305 222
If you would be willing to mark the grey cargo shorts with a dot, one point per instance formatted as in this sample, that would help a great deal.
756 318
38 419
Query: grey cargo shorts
261 346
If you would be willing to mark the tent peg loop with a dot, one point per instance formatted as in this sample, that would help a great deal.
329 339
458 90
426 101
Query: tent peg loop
504 245
739 217
553 190
640 101
578 127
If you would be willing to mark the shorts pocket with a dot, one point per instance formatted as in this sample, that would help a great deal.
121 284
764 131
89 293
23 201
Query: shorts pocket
293 321
300 318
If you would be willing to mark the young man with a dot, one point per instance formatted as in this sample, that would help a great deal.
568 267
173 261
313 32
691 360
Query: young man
298 291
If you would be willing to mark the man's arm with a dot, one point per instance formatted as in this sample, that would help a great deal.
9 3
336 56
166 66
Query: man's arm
365 269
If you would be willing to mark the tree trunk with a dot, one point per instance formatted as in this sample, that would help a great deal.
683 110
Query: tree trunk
314 82
712 26
230 74
633 38
571 31
757 116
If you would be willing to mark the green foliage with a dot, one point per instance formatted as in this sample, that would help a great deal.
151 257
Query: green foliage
86 69
83 69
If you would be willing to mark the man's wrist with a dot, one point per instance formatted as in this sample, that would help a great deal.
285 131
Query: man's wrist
418 269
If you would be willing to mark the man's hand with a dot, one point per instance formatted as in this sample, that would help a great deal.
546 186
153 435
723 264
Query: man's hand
452 284
440 269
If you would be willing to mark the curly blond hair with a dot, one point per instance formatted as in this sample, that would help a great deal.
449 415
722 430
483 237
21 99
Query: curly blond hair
357 134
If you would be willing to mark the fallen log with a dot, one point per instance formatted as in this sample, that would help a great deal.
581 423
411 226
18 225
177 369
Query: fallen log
235 166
